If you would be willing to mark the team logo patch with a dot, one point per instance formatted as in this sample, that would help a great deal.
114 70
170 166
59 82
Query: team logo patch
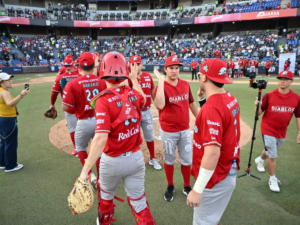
127 123
175 59
285 73
205 68
135 59
222 71
196 129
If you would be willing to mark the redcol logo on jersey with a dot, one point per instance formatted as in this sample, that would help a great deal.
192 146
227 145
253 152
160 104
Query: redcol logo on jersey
283 109
196 144
213 131
129 133
179 98
213 123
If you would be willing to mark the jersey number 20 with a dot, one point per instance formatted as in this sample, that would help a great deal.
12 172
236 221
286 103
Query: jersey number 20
94 92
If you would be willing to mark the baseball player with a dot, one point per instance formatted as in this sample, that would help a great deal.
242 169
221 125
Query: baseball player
245 65
278 107
194 66
63 68
118 139
229 70
77 95
146 83
216 146
256 66
77 68
268 66
252 65
241 63
57 88
173 99
286 65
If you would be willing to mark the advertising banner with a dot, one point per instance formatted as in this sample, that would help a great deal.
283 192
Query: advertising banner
144 23
218 18
14 20
174 22
269 14
11 70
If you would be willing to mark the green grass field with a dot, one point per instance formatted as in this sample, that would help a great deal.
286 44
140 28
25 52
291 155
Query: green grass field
37 194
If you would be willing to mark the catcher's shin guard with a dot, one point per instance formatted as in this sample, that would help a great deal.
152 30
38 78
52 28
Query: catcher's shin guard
106 210
144 217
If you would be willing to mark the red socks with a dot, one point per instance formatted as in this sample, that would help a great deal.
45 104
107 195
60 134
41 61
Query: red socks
186 173
150 146
169 170
82 156
73 138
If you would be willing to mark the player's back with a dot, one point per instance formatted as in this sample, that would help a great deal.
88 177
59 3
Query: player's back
84 88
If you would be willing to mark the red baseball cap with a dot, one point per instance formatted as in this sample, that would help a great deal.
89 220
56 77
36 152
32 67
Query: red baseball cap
86 59
68 62
287 74
173 60
69 56
135 59
76 61
96 54
216 70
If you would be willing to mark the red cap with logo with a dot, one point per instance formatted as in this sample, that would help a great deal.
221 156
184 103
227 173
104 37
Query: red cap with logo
215 70
86 59
76 61
286 74
173 60
135 59
68 62
69 56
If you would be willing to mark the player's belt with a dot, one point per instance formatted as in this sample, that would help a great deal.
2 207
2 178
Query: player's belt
125 154
87 118
145 108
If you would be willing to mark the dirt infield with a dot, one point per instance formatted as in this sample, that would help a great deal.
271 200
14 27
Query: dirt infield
60 138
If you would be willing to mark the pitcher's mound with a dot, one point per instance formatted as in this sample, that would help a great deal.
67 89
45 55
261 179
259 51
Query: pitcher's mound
60 138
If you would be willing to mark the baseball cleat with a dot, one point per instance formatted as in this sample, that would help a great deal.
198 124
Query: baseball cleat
186 190
18 167
154 163
73 152
169 193
273 184
260 165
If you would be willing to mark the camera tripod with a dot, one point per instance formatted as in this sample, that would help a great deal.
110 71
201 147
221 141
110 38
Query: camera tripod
248 173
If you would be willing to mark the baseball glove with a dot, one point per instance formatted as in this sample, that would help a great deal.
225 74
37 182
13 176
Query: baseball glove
83 198
51 113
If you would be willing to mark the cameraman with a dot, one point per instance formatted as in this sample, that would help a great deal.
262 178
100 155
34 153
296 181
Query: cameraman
8 125
278 107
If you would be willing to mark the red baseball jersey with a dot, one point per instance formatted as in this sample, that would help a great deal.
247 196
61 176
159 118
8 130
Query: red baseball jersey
62 70
232 65
241 62
252 63
256 64
77 69
178 99
147 85
79 92
218 123
58 88
278 111
268 65
245 63
194 65
286 66
126 135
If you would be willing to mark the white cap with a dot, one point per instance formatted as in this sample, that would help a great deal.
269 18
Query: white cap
5 76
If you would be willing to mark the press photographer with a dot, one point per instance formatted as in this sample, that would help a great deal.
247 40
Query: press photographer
8 124
278 107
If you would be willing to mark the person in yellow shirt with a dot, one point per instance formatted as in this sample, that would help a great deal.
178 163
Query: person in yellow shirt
8 124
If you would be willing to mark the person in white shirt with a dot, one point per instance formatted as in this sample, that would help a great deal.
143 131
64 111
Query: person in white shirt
236 68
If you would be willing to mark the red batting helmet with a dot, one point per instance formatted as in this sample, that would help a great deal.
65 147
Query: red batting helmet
113 67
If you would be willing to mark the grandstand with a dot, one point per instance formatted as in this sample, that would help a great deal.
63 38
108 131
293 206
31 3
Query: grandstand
154 30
